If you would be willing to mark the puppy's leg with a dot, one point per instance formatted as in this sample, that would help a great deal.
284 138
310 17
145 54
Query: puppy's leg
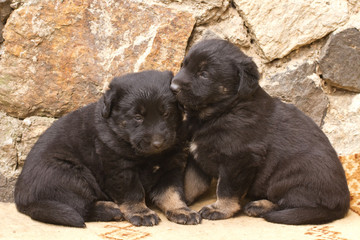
260 207
103 211
169 197
60 195
173 205
231 187
53 212
297 207
125 188
196 182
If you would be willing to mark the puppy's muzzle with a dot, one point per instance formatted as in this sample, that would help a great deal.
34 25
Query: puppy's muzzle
157 142
175 88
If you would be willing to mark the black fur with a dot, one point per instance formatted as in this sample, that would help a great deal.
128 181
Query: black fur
255 144
118 149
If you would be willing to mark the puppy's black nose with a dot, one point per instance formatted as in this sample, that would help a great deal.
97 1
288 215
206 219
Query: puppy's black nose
157 142
175 87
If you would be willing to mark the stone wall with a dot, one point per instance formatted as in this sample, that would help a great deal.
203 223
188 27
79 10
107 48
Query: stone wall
56 56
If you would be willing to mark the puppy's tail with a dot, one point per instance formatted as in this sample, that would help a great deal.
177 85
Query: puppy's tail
53 212
299 216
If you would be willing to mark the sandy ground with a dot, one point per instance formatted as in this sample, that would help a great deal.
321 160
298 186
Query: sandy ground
14 225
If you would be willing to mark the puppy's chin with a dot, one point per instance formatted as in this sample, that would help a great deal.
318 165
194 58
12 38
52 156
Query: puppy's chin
188 102
147 149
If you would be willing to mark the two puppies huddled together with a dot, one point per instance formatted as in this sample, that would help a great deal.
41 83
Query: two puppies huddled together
157 138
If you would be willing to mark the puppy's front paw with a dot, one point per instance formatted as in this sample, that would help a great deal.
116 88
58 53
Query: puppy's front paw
144 219
139 214
183 216
221 209
211 213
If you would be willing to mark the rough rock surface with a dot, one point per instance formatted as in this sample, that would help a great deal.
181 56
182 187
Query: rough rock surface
59 55
281 26
236 34
203 11
342 122
31 129
9 129
354 6
340 61
5 11
16 140
297 86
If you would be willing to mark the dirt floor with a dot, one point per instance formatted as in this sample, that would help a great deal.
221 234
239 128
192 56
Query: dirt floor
14 225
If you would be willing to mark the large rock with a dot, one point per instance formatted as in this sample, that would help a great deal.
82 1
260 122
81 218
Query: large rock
297 86
340 60
229 26
16 140
203 11
342 122
5 11
281 26
9 134
354 6
31 129
60 55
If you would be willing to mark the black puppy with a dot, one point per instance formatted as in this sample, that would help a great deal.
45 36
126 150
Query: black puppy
256 145
99 162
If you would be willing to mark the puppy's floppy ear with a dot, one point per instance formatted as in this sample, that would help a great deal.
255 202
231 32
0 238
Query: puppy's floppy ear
170 75
108 99
248 77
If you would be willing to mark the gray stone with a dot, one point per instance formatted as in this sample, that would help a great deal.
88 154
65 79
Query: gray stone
229 26
1 29
297 86
5 10
31 129
282 26
203 11
340 60
16 140
342 122
7 185
9 134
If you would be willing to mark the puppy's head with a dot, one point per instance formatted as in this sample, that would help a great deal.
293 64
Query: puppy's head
141 109
212 71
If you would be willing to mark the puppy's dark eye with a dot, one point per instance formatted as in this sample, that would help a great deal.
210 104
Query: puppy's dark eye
203 74
166 114
139 118
182 64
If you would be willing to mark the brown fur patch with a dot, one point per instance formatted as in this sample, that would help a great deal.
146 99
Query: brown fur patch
257 208
223 208
107 204
135 209
168 200
223 89
175 209
139 214
228 205
194 186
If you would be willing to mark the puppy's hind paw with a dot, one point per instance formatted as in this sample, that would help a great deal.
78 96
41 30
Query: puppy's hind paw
258 208
184 216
